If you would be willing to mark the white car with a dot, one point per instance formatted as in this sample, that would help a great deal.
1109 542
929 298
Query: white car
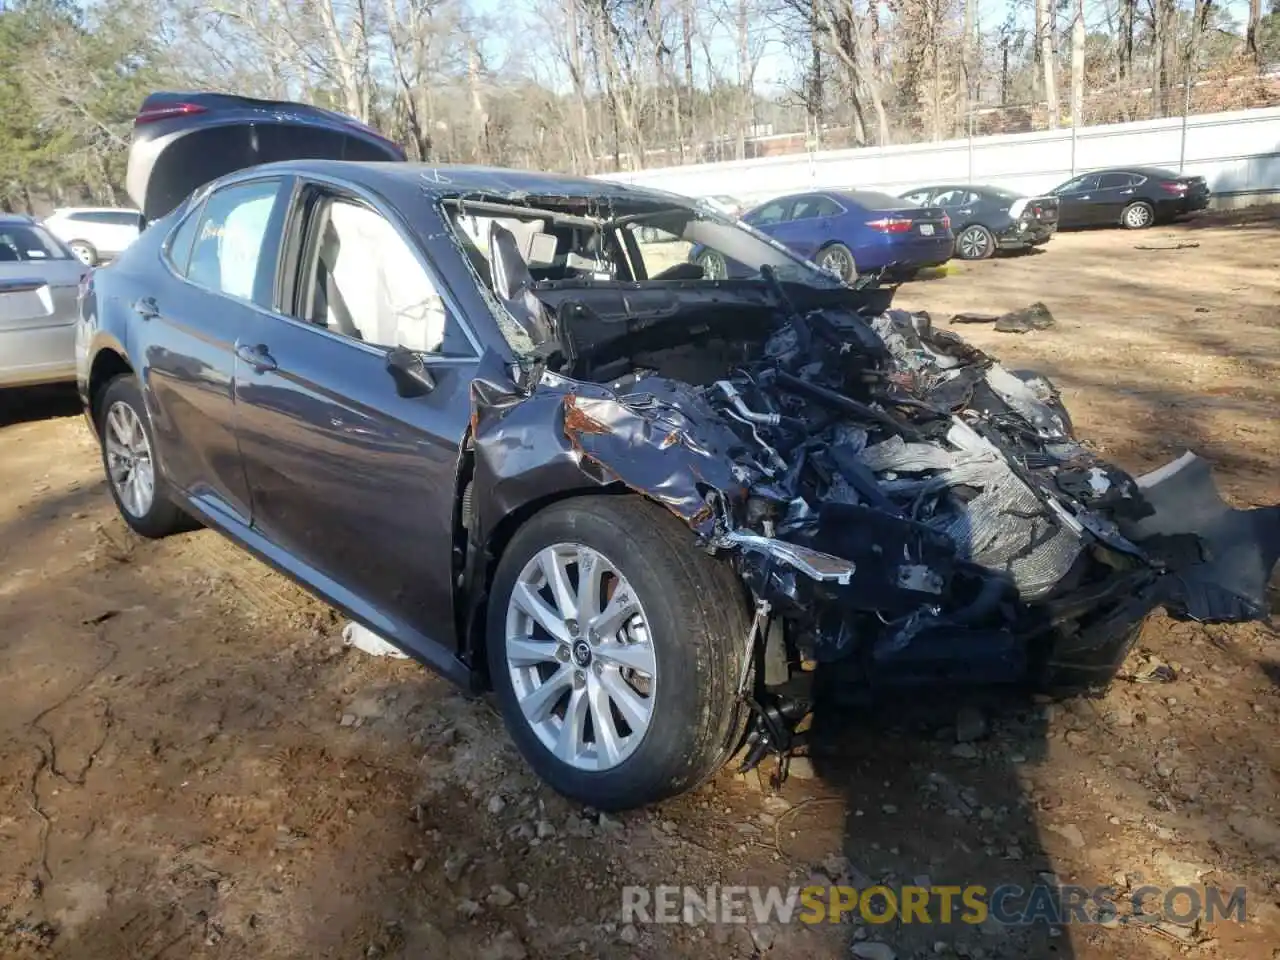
95 234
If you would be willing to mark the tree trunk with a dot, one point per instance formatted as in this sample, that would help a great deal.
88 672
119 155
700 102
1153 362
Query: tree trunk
1045 27
744 81
1077 65
1251 32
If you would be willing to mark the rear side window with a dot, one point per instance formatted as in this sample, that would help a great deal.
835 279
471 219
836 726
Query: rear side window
178 249
26 243
228 245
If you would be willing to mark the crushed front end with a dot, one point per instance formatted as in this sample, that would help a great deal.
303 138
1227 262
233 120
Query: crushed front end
902 508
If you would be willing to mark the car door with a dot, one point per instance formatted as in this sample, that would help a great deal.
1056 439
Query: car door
190 321
354 473
1115 192
1074 196
770 217
810 225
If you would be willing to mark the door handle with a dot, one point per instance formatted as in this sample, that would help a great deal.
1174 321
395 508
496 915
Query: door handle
146 308
256 356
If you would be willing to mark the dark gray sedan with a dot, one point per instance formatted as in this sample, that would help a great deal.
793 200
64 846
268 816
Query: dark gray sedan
646 507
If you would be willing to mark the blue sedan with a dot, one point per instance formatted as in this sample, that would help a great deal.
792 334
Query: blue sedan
849 232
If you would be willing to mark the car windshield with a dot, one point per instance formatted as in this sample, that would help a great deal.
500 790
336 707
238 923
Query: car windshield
575 240
26 242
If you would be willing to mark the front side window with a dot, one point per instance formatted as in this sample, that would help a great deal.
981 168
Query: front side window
368 284
770 213
228 246
1117 180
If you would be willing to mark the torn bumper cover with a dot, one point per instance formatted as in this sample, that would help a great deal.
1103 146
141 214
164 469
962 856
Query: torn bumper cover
908 509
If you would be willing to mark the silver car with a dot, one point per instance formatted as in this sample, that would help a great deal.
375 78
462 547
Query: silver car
39 282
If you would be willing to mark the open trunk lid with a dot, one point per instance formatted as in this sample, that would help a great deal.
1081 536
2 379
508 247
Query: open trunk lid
181 141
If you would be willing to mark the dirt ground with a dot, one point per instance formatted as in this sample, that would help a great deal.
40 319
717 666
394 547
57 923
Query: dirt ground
193 765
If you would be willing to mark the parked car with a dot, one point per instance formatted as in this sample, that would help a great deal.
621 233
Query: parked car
632 503
848 232
1134 197
95 234
39 280
987 219
727 204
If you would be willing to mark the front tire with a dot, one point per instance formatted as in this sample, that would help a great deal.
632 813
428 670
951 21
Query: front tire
714 266
128 458
615 648
837 259
1138 215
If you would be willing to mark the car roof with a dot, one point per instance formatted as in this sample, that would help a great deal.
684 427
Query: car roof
447 181
1144 171
93 210
12 218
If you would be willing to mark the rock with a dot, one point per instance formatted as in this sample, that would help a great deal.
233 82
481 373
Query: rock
763 937
1069 832
801 768
419 864
500 896
888 808
965 751
873 950
455 865
629 933
545 829
606 823
505 946
1257 830
496 805
469 908
970 725
1075 738
348 720
1034 317
522 890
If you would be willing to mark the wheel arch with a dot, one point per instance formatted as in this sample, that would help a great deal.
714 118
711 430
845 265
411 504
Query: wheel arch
477 558
108 363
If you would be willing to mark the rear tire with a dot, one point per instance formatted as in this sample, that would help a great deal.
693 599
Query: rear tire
85 252
128 458
1138 215
975 242
689 626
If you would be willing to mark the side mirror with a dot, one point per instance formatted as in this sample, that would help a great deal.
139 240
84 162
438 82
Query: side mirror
411 375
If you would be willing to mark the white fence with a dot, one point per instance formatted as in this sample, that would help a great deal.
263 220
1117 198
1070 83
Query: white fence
1238 153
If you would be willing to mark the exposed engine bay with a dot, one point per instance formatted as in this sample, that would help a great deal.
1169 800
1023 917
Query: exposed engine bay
901 507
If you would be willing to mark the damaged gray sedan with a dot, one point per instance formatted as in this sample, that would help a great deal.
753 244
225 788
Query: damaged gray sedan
650 510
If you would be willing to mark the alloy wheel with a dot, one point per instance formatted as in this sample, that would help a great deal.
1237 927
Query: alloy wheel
713 266
836 261
83 254
1137 216
973 243
129 461
581 661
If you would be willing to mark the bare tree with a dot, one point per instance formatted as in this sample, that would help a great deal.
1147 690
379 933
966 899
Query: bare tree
1077 64
1044 42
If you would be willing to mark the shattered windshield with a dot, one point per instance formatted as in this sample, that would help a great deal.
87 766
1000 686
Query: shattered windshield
552 243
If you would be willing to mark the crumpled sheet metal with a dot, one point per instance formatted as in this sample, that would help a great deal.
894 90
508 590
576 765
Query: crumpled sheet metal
672 454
